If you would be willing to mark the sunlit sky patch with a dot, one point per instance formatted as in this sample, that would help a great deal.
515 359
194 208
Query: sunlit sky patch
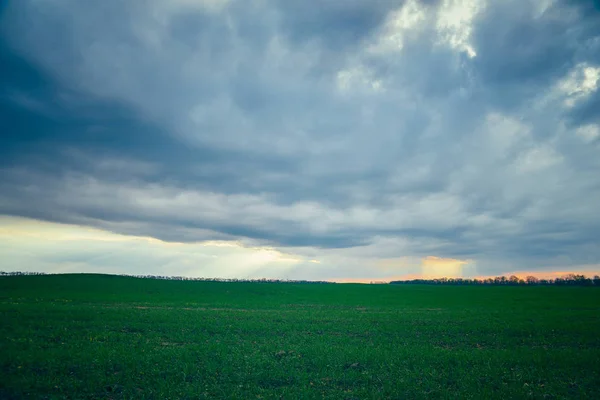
356 140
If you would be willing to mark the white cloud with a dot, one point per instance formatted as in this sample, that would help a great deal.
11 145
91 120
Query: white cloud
358 78
581 81
588 133
541 6
403 22
454 23
537 159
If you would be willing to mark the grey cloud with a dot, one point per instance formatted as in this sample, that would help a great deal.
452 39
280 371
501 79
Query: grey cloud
586 111
522 50
233 124
334 24
516 47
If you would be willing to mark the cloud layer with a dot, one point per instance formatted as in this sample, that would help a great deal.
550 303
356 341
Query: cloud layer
366 131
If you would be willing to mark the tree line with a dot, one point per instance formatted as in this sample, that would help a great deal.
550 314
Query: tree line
566 280
258 280
513 280
186 278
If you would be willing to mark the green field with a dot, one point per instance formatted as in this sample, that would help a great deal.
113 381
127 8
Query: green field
111 337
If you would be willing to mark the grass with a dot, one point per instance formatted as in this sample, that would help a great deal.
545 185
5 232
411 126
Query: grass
111 337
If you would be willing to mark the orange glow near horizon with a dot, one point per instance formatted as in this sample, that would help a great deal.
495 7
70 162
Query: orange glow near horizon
546 274
520 275
433 267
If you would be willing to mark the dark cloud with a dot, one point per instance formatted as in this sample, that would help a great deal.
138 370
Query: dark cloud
586 112
522 48
333 24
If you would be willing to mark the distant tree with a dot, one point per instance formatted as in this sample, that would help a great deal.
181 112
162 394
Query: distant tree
570 279
582 280
532 280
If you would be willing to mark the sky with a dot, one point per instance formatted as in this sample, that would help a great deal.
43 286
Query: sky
348 140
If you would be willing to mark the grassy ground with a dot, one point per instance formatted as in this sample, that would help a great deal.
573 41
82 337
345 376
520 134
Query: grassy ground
95 336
